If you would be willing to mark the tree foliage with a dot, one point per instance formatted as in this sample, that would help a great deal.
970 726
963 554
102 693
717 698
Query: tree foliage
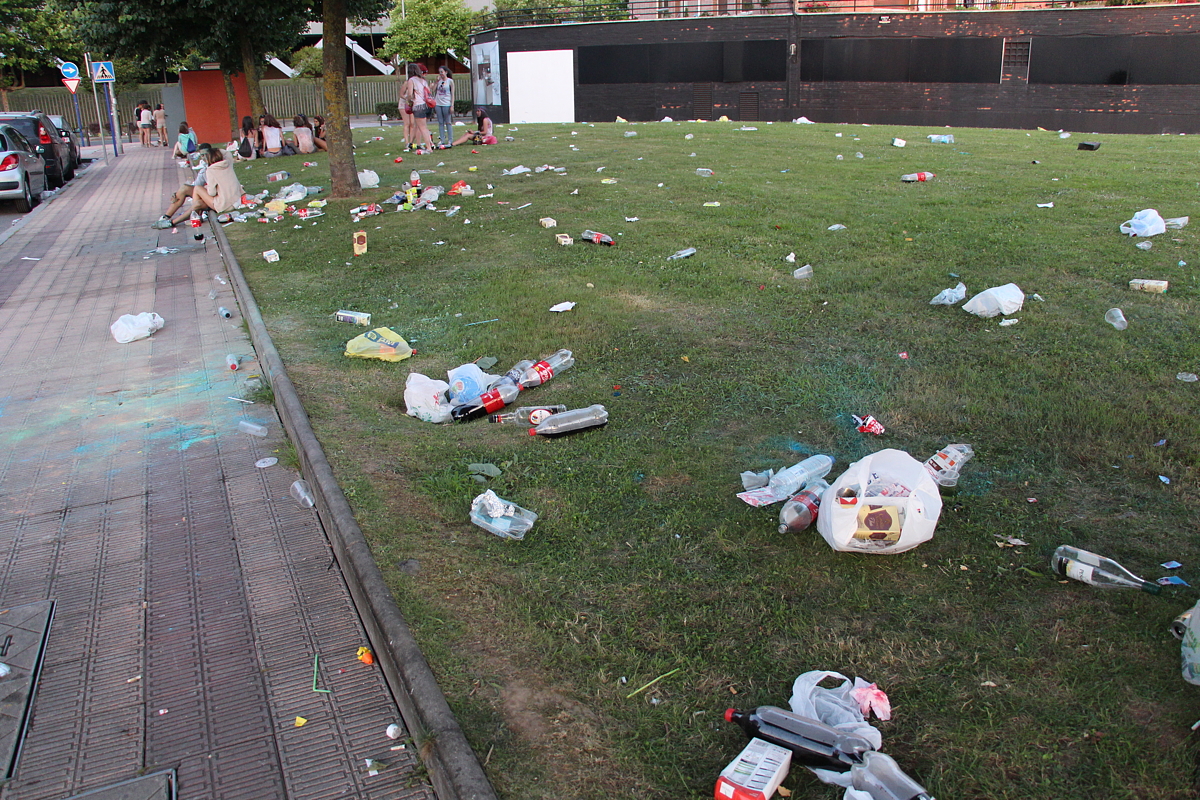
32 35
308 63
424 28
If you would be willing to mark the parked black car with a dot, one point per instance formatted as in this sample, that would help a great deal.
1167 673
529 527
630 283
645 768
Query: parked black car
43 134
70 136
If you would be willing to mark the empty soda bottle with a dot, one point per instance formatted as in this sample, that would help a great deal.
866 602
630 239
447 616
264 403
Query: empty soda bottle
278 176
514 374
946 463
414 178
704 173
487 403
530 415
571 421
796 477
915 177
543 371
801 510
1096 570
685 253
597 238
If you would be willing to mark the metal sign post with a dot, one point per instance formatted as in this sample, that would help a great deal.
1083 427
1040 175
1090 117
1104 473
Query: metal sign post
88 60
70 79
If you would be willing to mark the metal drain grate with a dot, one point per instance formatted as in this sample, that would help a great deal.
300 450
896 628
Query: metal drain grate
23 631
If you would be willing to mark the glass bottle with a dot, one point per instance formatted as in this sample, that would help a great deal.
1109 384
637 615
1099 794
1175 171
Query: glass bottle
1096 570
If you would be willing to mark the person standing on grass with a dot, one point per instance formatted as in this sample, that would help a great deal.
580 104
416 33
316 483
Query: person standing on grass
160 123
417 95
444 96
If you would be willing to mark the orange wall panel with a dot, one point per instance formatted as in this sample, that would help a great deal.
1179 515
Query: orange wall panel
206 106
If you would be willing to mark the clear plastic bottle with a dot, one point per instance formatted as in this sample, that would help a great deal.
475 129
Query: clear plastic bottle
514 373
945 464
571 421
704 173
233 361
224 312
252 428
543 371
278 176
801 510
685 253
1096 570
916 177
791 480
530 415
487 403
414 178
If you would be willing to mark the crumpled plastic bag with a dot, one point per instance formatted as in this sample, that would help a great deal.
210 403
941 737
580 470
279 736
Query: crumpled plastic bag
382 343
129 327
425 398
950 297
836 707
1175 223
520 169
1006 299
368 179
1146 222
292 193
467 382
756 480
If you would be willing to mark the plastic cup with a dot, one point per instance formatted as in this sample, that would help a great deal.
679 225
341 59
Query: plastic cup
1116 318
302 493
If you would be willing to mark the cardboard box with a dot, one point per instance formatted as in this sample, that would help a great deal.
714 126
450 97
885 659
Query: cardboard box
755 774
353 317
547 222
879 523
1146 285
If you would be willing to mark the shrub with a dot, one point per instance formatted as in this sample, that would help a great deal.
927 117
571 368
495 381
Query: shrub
391 109
463 107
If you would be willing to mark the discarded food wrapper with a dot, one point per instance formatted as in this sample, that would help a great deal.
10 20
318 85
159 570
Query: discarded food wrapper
383 344
885 503
566 306
1006 299
1046 205
790 258
130 327
1146 285
564 239
1147 222
353 317
756 772
1004 323
868 424
368 179
547 222
496 515
950 297
520 169
360 243
1175 223
608 180
365 655
271 255
898 143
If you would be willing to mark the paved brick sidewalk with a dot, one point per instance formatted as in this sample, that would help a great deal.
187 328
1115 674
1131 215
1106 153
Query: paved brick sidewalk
192 592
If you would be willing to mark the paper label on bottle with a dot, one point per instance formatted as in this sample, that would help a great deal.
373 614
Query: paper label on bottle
543 371
538 415
1077 570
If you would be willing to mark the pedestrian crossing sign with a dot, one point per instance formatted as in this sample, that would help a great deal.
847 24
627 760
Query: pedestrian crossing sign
102 72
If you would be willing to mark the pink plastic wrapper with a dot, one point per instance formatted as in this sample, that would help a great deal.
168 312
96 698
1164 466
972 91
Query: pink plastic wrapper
868 424
872 699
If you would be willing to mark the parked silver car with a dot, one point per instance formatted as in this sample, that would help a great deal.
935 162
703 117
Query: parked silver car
22 170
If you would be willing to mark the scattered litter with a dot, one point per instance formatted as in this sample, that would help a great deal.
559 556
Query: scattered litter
548 222
608 181
868 424
374 767
263 463
1172 580
685 253
425 398
1064 136
1165 479
1116 318
367 179
1006 299
381 343
756 772
838 227
518 208
898 143
301 492
630 134
597 238
496 515
566 306
300 722
1088 146
1008 322
756 480
747 128
163 251
884 503
1045 205
1144 245
29 258
130 328
790 258
785 483
271 255
918 177
1175 223
1159 443
712 204
803 273
1170 565
704 173
1187 377
1146 285
1146 222
1009 541
365 655
941 138
950 297
564 239
803 121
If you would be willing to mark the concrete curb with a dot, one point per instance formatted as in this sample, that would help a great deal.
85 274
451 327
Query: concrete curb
453 766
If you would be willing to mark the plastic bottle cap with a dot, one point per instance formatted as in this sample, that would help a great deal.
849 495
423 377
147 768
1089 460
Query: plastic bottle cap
729 712
533 431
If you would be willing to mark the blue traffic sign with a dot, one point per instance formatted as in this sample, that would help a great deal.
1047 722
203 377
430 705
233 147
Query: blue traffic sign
69 70
103 72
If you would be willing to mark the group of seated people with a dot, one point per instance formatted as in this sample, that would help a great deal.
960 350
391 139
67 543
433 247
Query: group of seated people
268 140
215 186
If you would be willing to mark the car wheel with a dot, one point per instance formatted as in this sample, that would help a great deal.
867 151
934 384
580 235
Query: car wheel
70 174
24 204
54 181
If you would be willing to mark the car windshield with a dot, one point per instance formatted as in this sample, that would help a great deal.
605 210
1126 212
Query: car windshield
26 125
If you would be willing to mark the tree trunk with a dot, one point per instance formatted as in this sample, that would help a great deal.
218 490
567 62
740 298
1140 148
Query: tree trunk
252 71
234 123
343 177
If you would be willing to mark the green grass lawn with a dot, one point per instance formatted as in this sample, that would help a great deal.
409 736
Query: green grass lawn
644 560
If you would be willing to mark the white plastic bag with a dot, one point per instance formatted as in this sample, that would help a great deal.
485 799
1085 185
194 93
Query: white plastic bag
884 503
129 328
836 707
368 179
950 297
468 382
1146 222
1190 647
1006 299
426 398
295 192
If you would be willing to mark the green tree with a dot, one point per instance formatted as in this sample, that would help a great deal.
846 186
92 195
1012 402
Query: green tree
31 36
308 63
424 28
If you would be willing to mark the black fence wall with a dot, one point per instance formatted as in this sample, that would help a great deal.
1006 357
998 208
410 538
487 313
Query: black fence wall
1132 69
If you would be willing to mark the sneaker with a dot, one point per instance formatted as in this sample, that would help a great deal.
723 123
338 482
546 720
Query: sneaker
162 223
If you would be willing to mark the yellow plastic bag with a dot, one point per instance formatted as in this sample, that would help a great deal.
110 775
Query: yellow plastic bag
382 343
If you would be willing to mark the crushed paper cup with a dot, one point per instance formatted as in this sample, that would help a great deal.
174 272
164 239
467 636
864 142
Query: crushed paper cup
567 306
